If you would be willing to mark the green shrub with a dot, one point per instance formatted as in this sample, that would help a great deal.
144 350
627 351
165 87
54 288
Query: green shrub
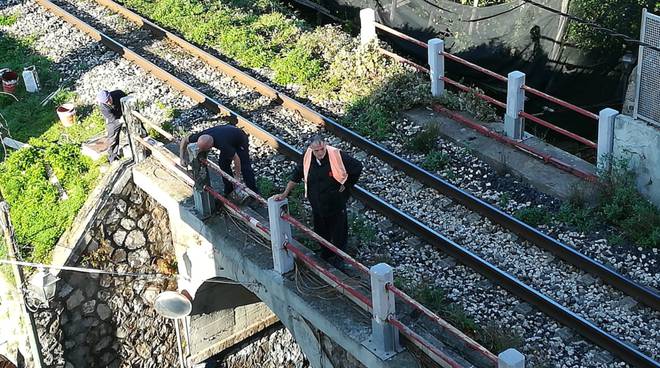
435 161
583 218
534 216
8 19
297 66
38 214
362 230
266 187
369 119
622 205
424 141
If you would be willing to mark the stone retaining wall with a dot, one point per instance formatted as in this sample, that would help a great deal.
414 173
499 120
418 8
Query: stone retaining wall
109 321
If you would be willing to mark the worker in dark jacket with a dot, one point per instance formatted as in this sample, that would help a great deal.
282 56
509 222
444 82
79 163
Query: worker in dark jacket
329 174
110 106
233 145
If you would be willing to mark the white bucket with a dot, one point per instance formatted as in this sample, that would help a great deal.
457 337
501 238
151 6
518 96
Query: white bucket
67 114
31 79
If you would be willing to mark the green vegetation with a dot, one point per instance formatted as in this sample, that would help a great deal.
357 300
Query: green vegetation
8 19
621 16
492 336
619 204
325 63
424 141
435 161
534 216
362 230
266 187
40 212
469 102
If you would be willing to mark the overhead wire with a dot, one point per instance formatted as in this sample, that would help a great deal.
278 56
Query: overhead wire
596 26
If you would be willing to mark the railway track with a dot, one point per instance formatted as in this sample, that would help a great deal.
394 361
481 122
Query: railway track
274 112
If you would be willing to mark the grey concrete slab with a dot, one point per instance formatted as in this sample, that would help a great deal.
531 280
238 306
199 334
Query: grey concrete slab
546 178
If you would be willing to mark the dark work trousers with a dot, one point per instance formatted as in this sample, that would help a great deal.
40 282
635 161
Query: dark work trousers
113 128
246 171
333 229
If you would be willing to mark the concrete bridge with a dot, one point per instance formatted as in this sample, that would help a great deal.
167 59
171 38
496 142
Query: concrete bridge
243 272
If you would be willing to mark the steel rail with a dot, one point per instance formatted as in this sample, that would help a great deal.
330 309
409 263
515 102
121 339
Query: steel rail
609 342
568 254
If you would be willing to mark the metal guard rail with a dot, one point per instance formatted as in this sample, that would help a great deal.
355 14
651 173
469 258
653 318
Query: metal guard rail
497 76
265 231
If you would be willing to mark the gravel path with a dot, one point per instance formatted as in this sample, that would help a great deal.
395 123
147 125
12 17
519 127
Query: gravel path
581 293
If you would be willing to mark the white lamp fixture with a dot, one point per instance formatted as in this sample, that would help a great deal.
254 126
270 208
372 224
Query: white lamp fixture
43 284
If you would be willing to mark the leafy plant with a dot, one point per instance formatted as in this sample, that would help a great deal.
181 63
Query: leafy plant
266 187
621 16
362 230
424 141
297 66
435 161
534 216
8 19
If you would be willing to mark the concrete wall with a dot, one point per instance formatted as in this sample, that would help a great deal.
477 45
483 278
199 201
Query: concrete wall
639 142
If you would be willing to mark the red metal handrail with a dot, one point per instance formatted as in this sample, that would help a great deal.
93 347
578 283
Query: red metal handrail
310 262
475 67
406 331
561 102
401 35
478 94
403 60
557 129
442 323
497 76
293 221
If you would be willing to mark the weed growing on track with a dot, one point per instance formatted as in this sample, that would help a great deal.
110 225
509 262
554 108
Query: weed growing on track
489 334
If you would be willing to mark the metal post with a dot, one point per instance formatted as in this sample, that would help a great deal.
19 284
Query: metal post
134 128
367 27
510 358
12 250
204 203
514 125
605 141
280 233
437 66
384 337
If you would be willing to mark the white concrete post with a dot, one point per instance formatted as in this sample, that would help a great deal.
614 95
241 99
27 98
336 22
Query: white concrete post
514 125
367 26
437 66
510 358
280 233
605 142
384 337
